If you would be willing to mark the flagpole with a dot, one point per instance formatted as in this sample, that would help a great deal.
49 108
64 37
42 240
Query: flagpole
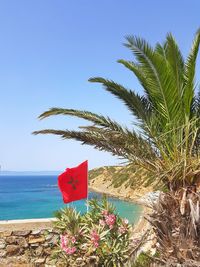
87 192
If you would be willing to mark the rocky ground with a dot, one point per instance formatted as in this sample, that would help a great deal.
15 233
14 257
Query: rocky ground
27 247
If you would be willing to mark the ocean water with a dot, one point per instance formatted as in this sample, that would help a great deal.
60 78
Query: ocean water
27 197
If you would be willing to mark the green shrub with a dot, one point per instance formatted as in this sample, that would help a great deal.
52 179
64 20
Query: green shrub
143 260
99 236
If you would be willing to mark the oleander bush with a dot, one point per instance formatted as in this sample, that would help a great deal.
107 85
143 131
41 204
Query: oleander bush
97 238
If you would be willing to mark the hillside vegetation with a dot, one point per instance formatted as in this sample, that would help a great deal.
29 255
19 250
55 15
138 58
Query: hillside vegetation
123 181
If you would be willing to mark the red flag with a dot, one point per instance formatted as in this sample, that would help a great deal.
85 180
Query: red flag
73 183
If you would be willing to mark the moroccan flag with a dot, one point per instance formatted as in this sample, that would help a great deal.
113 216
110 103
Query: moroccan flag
73 183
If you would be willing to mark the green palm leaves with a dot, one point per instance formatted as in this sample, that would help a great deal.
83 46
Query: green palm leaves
105 134
167 113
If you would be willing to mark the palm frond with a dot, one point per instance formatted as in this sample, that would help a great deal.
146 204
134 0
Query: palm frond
161 49
161 87
138 71
189 74
196 104
124 144
90 116
139 106
176 61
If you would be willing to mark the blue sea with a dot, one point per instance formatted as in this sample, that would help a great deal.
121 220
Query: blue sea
37 196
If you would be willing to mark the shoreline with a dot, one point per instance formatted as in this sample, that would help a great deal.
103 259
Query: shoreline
25 224
35 223
120 196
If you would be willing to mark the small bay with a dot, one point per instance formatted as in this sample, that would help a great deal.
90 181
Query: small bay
37 196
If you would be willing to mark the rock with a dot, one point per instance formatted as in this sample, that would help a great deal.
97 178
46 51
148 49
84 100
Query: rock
45 245
12 250
15 262
21 241
39 261
50 230
2 243
38 251
35 245
19 261
48 251
11 239
54 240
2 253
36 232
5 234
21 233
33 239
29 248
50 261
56 231
48 237
27 254
45 231
84 247
79 260
93 258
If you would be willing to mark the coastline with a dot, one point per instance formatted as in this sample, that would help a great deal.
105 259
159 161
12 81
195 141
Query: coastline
120 196
34 224
25 224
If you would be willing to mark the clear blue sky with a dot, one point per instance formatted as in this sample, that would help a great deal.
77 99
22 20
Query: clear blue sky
48 50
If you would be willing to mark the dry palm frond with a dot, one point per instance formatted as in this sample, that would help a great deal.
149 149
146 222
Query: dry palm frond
178 234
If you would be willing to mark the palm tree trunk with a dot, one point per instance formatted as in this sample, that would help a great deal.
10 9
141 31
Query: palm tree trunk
176 223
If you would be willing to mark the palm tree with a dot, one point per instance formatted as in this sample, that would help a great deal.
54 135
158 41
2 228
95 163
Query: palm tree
167 145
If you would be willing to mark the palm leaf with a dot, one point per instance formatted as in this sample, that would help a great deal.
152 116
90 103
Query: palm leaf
124 144
176 61
90 116
161 87
189 74
139 73
138 105
161 49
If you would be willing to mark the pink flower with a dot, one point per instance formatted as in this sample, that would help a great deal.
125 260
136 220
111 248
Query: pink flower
122 230
104 212
96 244
95 238
70 251
73 239
65 240
125 221
102 222
110 219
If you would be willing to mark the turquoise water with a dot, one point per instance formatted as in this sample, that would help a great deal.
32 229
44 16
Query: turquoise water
27 197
